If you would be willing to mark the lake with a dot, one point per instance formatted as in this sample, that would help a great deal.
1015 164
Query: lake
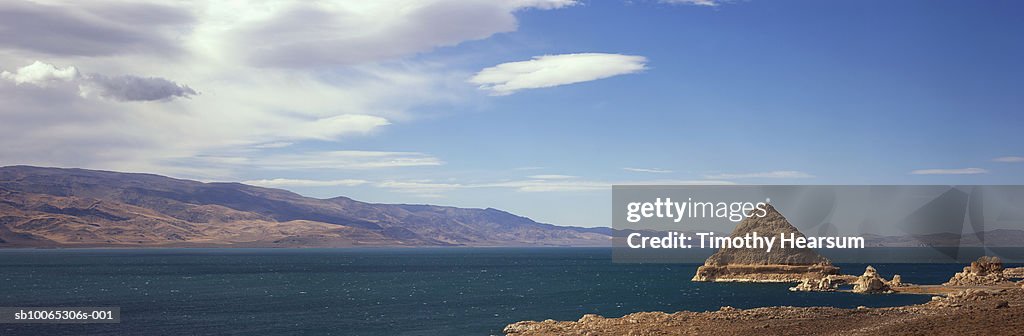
376 291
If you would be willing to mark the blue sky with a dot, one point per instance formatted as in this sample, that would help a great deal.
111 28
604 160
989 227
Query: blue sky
747 92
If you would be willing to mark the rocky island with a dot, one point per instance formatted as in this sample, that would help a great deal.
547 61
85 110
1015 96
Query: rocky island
757 265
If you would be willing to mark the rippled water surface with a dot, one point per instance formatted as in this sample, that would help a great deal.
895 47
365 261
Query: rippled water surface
457 291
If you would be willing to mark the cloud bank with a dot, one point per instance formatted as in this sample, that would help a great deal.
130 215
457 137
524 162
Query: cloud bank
256 75
93 28
315 34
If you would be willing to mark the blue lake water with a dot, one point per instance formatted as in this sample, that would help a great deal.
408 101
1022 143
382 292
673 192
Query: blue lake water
427 291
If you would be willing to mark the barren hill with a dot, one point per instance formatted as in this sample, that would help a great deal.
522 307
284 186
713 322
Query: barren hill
48 207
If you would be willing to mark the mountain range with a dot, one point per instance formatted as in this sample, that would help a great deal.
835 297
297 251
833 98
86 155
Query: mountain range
61 207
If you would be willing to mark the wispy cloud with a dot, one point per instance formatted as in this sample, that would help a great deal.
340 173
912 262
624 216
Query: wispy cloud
549 185
648 170
310 34
956 171
332 128
282 182
778 174
555 70
584 185
277 144
318 160
552 177
302 72
709 3
1009 159
421 187
532 185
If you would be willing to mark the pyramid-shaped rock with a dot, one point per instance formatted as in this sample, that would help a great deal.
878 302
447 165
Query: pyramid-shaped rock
757 265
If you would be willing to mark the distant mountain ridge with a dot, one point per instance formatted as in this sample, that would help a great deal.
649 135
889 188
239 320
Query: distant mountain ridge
53 207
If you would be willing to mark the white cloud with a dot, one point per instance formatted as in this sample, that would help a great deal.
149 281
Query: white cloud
121 88
782 174
321 71
551 177
709 3
349 159
554 70
648 170
550 185
41 74
582 185
533 185
420 187
282 182
94 28
334 127
278 144
1009 159
957 171
314 34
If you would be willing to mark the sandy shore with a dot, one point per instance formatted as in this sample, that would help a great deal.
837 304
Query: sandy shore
988 311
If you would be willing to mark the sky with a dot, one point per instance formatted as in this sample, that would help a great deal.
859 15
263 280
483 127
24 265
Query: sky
535 107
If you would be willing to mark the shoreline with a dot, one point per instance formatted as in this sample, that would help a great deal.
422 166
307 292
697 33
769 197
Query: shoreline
980 310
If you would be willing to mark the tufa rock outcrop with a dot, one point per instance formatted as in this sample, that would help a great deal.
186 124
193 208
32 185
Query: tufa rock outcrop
985 271
826 284
756 265
871 282
1014 272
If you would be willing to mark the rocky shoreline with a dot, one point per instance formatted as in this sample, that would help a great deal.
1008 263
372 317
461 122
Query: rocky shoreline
768 273
971 311
982 299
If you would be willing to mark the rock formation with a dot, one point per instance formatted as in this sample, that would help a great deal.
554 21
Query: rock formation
756 265
825 284
897 281
1014 272
985 271
871 282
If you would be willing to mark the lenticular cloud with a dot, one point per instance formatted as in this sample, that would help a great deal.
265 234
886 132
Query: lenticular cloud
554 70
